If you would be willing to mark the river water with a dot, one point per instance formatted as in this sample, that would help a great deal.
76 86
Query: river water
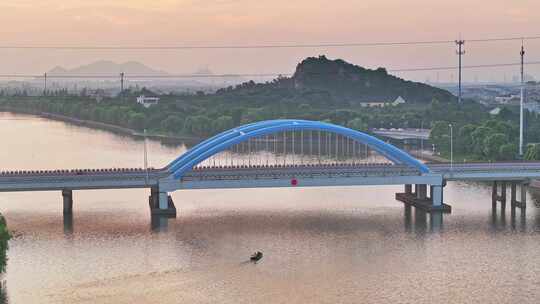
321 245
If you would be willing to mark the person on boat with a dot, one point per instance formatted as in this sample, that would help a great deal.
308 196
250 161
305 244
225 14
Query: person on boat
256 256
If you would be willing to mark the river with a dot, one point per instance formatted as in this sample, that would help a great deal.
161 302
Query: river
320 245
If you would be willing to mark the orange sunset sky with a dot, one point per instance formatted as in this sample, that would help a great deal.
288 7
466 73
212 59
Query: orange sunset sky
240 22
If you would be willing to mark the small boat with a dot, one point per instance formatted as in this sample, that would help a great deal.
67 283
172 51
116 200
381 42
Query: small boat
256 256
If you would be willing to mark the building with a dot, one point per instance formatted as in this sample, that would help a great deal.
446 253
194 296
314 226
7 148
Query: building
532 107
507 99
398 101
97 94
147 102
374 104
495 111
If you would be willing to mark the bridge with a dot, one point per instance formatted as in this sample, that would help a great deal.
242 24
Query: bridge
403 134
286 153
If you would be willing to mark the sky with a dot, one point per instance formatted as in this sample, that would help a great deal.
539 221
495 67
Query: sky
246 22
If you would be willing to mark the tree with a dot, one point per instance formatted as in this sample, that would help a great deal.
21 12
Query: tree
465 140
5 236
222 123
357 124
199 125
492 145
236 114
533 152
173 124
136 120
478 137
507 152
439 135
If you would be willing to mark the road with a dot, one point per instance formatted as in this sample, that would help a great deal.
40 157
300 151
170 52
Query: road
139 178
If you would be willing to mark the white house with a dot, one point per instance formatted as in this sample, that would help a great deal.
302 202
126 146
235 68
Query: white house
495 111
147 102
373 104
98 94
398 101
507 99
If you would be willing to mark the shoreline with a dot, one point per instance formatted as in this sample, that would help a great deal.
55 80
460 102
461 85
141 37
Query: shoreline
167 139
164 139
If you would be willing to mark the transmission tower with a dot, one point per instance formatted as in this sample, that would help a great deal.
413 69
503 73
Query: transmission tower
45 84
460 52
121 82
522 97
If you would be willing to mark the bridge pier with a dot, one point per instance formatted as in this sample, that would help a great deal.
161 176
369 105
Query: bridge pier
421 192
437 196
420 199
67 196
522 202
408 189
161 203
496 197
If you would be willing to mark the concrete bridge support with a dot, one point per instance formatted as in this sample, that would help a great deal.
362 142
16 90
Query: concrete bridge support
408 189
67 196
421 192
437 196
522 202
495 196
161 203
420 199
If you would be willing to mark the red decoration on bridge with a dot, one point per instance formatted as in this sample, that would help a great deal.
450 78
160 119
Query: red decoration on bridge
294 182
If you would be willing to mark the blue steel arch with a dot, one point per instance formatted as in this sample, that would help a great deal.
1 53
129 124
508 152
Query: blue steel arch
223 137
229 138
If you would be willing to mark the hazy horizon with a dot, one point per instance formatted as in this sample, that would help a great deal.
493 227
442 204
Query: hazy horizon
167 22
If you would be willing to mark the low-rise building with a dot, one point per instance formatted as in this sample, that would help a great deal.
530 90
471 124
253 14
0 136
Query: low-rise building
147 102
495 111
399 100
379 104
507 99
97 94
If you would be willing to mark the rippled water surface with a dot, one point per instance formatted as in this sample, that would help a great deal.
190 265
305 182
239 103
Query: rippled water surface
321 245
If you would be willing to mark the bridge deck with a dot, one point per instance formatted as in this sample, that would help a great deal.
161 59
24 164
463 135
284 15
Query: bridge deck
212 177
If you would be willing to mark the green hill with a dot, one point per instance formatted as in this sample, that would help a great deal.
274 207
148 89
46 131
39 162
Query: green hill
321 81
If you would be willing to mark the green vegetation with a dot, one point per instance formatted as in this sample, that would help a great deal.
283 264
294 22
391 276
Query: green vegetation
488 140
321 89
5 236
533 152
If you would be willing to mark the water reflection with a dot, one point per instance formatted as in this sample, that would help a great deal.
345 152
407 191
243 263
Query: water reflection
518 218
332 245
3 293
436 221
522 219
68 224
159 223
419 222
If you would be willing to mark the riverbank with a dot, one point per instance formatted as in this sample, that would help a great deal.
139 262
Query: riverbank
165 139
428 157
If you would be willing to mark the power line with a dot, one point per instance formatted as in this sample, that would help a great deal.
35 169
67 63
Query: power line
141 76
178 76
477 66
260 46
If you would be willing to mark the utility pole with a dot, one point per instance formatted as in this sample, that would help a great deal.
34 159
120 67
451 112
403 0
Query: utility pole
421 141
522 93
451 147
121 83
145 157
45 86
460 52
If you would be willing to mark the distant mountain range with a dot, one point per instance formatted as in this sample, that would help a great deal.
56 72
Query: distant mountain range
105 67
